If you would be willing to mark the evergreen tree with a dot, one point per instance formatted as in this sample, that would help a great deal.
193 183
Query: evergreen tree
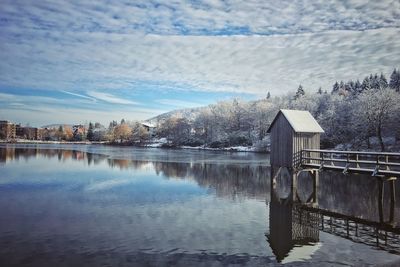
90 133
366 84
123 121
383 82
395 80
335 88
320 91
60 133
342 88
375 81
358 87
268 95
112 125
300 92
341 85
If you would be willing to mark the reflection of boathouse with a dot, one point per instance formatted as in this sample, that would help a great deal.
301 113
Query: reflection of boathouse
290 226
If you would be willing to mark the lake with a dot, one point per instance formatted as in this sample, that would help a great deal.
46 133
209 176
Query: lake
93 205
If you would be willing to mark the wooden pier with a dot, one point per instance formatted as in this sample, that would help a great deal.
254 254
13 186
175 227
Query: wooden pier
295 148
376 164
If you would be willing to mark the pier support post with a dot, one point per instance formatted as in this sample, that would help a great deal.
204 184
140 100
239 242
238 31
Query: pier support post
380 199
315 175
294 174
392 198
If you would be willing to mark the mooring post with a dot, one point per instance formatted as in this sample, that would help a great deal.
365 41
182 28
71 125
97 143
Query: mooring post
392 198
380 198
315 186
293 174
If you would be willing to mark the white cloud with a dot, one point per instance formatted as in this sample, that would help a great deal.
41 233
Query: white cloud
252 64
78 95
110 98
202 17
101 46
27 99
44 115
179 103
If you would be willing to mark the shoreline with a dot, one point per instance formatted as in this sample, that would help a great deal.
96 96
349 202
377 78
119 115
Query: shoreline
150 145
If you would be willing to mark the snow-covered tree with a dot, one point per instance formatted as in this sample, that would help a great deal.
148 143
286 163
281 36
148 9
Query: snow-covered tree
375 109
395 80
335 88
90 134
300 92
382 82
122 132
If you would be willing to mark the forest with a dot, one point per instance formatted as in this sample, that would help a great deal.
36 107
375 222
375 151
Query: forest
355 115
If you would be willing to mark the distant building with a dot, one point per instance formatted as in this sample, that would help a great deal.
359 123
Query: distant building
7 130
150 128
30 133
79 132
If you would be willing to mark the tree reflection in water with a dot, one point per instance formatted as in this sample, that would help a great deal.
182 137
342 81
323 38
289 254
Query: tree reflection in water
347 204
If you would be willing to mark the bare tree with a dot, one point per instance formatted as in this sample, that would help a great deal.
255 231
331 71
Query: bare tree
376 109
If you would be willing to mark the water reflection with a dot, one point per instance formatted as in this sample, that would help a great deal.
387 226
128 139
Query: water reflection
295 222
227 180
165 211
291 227
353 195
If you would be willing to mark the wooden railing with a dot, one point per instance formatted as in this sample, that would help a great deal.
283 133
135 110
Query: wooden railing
383 164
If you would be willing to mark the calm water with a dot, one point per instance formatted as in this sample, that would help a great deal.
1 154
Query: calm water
65 205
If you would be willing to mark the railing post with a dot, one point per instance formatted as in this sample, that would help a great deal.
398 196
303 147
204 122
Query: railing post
376 170
387 161
347 163
322 160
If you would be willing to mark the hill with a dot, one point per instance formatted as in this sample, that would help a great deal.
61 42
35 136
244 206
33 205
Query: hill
188 113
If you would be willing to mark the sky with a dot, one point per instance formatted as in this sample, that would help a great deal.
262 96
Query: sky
80 61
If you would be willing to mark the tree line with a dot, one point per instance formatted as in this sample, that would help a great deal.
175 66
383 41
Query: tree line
357 114
354 113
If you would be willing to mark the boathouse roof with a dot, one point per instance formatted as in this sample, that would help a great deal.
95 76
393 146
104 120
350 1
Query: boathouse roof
301 121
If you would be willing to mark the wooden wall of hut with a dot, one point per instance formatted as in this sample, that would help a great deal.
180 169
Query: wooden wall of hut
281 143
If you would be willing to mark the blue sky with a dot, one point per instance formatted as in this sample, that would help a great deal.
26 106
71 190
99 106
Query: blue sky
78 61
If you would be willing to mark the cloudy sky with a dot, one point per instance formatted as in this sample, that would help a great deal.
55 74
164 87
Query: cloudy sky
77 61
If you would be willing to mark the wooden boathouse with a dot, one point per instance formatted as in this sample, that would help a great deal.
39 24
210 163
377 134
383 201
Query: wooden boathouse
291 131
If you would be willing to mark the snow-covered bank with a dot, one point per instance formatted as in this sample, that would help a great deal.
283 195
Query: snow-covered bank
231 148
26 141
161 143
